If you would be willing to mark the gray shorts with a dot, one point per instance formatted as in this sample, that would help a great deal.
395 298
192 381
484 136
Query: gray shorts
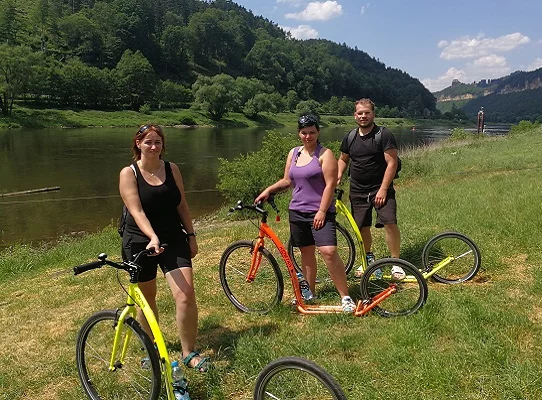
362 205
303 234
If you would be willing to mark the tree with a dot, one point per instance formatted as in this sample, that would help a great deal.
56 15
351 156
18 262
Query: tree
17 69
9 22
215 95
137 79
81 37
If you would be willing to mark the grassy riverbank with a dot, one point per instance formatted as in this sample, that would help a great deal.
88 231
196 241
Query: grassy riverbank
54 118
479 340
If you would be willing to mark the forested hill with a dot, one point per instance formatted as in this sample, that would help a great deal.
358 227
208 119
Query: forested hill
511 98
115 54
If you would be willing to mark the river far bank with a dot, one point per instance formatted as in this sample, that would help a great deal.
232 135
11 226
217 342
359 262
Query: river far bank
183 118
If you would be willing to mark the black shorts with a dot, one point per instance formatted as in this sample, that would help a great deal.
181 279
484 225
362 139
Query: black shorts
176 255
362 205
303 234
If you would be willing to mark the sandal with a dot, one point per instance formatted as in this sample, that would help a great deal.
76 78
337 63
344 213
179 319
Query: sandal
203 364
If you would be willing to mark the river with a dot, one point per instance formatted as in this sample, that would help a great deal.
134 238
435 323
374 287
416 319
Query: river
85 164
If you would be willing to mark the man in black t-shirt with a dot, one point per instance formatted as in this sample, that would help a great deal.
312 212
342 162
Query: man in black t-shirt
373 167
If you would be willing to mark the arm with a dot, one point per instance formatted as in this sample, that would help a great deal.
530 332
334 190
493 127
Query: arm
390 156
329 170
184 211
130 196
342 164
281 184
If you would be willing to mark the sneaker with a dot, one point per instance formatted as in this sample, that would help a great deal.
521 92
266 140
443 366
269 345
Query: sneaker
348 304
397 273
370 259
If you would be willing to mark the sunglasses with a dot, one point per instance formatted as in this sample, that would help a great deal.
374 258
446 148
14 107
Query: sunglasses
144 128
307 120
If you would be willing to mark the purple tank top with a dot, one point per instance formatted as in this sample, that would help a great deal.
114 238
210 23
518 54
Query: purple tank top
309 184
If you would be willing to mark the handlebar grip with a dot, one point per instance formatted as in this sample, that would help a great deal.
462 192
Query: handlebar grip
87 267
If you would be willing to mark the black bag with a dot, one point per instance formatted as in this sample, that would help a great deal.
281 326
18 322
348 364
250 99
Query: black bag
122 221
124 215
378 139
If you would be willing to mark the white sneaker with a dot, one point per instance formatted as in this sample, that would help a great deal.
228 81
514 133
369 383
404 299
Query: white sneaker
397 273
348 304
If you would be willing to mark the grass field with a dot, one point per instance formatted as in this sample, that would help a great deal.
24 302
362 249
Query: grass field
478 340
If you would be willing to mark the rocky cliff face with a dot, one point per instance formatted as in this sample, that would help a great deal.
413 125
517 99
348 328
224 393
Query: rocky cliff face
503 88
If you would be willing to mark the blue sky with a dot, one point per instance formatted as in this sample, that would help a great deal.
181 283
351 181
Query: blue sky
432 40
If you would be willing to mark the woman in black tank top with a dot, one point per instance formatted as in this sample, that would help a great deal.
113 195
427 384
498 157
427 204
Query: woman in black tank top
152 189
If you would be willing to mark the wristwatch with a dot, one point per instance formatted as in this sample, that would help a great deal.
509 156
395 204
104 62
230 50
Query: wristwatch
190 233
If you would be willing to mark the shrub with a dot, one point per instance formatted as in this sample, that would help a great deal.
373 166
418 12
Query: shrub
145 109
459 134
243 178
188 121
523 127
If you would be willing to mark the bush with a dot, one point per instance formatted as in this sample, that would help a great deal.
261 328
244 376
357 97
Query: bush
145 109
523 127
188 121
243 178
459 134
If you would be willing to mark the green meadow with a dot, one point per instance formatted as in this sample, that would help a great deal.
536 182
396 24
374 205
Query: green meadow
477 340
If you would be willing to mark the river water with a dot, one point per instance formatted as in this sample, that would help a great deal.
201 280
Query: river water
85 164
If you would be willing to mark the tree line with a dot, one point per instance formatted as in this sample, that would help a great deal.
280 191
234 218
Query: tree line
216 56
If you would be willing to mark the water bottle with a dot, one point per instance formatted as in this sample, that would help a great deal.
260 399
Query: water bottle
304 287
179 382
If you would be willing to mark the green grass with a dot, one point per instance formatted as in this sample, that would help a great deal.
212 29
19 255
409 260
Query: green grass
478 340
47 118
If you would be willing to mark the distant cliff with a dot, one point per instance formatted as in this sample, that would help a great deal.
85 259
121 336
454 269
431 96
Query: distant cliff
508 99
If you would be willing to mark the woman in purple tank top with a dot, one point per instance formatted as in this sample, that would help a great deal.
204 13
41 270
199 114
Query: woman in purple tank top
311 170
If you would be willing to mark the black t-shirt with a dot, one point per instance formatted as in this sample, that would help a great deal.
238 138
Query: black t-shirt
367 162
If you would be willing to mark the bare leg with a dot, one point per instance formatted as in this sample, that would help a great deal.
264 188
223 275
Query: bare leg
149 291
182 288
393 239
367 238
308 265
335 265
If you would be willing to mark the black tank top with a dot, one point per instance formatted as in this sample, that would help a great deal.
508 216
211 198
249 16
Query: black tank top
160 206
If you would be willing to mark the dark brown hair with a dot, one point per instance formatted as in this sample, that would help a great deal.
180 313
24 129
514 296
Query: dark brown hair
143 131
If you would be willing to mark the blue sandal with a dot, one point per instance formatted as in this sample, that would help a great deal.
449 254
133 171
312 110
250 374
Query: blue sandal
202 366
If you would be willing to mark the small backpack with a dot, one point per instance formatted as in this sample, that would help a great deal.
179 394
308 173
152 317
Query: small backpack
122 221
378 139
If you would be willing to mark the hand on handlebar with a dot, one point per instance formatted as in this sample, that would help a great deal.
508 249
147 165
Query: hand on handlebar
155 244
263 196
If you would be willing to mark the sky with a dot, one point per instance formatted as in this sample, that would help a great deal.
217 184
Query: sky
434 41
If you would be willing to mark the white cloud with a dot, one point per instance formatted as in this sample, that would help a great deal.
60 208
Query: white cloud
302 32
479 46
365 8
535 64
434 85
486 67
318 11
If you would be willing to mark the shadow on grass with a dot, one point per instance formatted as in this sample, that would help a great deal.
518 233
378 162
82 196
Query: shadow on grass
40 119
222 340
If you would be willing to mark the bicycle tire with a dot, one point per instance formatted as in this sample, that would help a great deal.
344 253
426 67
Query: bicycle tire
292 378
411 292
258 296
130 380
345 246
466 262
